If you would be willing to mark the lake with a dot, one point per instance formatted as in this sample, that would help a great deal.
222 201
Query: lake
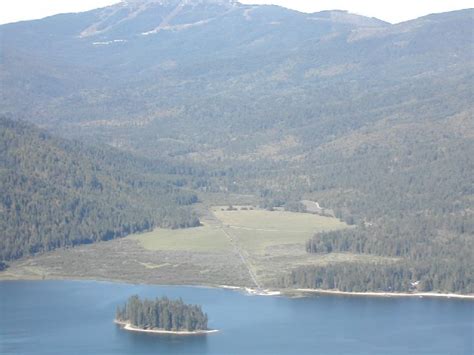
76 317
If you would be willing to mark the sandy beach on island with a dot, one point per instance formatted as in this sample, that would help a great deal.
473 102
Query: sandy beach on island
382 294
129 327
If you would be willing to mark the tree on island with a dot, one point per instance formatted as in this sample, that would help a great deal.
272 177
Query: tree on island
162 313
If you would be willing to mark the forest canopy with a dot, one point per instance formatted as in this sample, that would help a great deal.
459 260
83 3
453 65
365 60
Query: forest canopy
60 193
163 314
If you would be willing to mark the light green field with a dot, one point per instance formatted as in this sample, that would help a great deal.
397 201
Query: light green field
200 239
283 221
270 243
253 230
256 230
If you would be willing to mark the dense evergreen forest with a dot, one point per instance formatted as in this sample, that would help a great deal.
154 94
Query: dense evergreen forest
162 313
383 277
422 259
58 193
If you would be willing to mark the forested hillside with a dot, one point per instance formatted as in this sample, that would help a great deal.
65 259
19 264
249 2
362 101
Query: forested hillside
424 258
222 80
408 190
57 193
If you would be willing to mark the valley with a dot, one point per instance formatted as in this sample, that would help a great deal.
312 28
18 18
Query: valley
127 131
220 252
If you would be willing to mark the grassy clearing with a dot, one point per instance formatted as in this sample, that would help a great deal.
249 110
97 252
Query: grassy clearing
283 221
272 242
258 242
200 239
257 230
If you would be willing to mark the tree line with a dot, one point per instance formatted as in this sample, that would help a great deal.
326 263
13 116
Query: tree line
382 277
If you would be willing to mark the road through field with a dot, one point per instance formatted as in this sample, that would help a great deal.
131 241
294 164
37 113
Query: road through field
236 247
238 250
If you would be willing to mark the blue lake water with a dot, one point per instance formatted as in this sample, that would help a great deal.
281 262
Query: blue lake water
75 317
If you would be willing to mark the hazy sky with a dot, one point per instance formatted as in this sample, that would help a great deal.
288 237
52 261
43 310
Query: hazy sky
389 10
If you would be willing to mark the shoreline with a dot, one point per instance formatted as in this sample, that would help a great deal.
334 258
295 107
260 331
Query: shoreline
381 294
268 292
129 327
288 292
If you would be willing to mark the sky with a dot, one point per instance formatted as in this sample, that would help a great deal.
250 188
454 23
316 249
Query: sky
393 11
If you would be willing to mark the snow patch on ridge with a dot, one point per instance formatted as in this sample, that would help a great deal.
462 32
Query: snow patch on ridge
104 43
176 27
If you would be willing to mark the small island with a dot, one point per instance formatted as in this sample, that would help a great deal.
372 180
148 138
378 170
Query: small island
162 316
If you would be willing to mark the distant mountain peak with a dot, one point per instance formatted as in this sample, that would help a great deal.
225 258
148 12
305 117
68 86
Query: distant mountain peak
164 14
179 2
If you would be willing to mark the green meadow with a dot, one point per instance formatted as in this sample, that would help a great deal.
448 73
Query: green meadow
200 239
270 242
254 231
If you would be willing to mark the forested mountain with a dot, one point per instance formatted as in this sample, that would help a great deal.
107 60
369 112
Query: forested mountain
372 120
57 193
148 75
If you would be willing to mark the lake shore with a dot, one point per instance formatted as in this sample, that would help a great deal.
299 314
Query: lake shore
379 294
130 327
288 292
